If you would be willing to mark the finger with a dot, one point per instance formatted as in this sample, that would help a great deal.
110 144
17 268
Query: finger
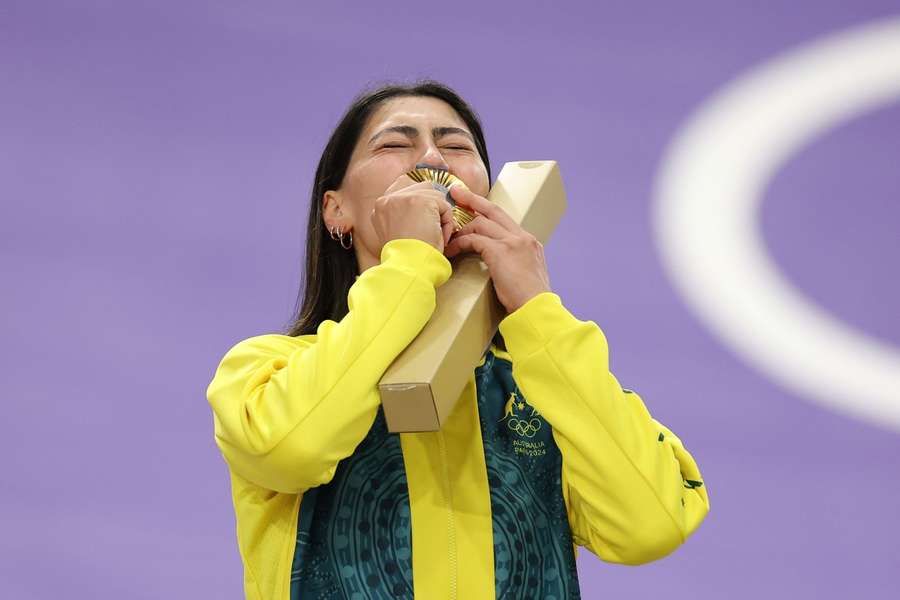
447 229
469 199
448 226
444 207
472 242
484 226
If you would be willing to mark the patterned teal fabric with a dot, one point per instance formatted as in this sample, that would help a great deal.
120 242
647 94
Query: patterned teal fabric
533 554
353 534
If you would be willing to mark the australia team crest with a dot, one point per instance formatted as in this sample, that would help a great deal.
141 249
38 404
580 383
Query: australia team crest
521 417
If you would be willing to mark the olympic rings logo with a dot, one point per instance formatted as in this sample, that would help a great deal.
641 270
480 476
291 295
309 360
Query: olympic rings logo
523 427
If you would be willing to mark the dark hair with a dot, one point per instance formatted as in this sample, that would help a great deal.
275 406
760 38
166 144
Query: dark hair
331 270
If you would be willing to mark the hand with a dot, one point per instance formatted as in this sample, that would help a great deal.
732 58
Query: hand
514 257
413 210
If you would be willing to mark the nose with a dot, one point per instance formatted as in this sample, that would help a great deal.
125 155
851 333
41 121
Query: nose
433 158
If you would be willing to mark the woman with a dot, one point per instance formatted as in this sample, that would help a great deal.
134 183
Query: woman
545 450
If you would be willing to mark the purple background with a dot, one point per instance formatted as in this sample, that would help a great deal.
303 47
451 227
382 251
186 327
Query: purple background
155 166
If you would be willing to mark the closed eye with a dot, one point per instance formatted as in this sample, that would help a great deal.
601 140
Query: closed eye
408 146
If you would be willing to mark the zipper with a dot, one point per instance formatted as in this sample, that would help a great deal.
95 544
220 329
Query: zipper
451 523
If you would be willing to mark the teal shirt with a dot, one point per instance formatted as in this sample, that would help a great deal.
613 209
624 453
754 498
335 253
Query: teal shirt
353 534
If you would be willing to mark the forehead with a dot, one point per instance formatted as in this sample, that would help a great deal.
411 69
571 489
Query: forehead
422 112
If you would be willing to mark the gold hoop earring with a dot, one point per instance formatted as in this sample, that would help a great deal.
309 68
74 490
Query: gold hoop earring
331 232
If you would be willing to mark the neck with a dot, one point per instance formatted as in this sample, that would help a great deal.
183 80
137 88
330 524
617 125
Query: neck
365 260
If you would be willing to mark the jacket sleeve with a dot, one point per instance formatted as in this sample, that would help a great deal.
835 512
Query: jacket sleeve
633 492
287 409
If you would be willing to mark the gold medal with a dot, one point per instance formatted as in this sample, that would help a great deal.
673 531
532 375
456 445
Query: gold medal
442 181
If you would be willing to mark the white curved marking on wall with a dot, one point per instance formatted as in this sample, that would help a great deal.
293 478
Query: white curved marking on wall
708 196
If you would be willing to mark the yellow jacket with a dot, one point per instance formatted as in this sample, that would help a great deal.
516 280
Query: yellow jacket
544 451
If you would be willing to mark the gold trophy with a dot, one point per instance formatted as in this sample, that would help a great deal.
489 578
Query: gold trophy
442 181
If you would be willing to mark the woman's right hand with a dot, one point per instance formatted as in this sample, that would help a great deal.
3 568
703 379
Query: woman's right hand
413 210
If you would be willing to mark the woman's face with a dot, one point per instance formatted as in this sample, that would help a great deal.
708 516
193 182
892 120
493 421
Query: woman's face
401 133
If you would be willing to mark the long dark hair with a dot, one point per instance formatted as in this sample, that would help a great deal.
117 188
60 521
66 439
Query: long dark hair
331 270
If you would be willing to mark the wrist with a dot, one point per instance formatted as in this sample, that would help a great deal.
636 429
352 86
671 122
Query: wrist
525 298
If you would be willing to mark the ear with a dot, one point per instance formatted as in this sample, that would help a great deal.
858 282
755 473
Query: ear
333 212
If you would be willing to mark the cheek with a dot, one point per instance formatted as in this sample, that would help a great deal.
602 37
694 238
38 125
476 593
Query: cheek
370 178
475 176
362 211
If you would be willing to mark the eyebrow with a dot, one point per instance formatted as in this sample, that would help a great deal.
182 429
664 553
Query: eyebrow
412 132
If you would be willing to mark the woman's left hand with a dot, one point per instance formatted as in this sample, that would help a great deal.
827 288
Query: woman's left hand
514 257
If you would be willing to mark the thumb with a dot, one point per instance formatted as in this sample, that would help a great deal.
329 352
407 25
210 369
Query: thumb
403 181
